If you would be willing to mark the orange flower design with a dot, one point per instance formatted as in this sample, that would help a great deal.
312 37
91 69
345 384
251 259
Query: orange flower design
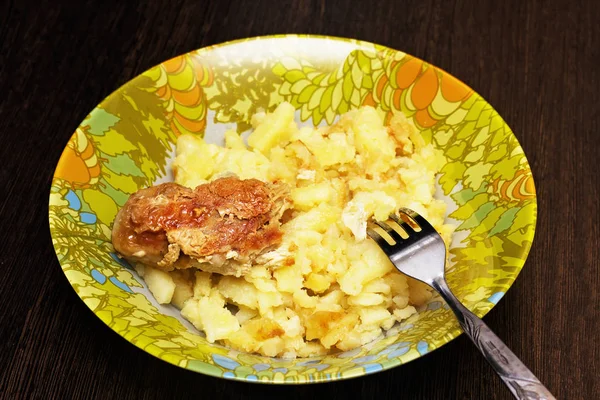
515 190
417 84
79 166
183 94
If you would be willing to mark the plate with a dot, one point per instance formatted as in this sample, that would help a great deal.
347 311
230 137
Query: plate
127 142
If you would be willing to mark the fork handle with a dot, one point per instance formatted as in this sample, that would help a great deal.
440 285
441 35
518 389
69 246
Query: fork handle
520 380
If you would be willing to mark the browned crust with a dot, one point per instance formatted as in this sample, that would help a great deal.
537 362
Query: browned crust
207 223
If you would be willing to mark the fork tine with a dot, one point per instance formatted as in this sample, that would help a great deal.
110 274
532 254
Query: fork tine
374 235
390 231
407 228
381 242
415 216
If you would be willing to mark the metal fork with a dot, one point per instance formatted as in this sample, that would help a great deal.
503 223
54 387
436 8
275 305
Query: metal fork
421 254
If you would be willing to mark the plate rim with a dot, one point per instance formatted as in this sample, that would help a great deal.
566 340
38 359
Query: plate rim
449 336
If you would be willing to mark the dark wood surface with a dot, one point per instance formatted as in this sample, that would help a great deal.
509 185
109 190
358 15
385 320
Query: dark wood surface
536 62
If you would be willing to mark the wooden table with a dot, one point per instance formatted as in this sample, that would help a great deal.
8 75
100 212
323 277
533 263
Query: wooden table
534 61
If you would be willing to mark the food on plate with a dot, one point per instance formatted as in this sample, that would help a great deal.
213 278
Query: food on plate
221 226
321 285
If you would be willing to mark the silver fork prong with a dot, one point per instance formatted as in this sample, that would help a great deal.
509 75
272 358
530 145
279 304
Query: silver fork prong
381 242
374 235
390 231
402 224
418 219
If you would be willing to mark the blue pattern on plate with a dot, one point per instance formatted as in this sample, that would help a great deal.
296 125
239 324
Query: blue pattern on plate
370 368
225 362
308 363
349 353
398 352
120 284
495 298
119 260
88 218
321 367
260 367
74 202
98 276
364 359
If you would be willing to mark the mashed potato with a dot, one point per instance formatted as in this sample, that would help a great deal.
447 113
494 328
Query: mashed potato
326 287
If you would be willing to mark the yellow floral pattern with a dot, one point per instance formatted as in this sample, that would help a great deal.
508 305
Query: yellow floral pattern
125 142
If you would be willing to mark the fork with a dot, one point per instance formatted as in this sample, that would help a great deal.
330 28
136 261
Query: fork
419 252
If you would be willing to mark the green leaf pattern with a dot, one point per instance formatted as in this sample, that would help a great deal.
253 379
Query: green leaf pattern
124 145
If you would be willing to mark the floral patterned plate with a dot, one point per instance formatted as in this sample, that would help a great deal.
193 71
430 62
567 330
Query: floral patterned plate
127 142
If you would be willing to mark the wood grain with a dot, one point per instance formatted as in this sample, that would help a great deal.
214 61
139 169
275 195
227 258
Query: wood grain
535 62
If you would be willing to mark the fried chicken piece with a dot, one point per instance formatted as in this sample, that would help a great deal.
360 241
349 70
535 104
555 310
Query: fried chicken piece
221 226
